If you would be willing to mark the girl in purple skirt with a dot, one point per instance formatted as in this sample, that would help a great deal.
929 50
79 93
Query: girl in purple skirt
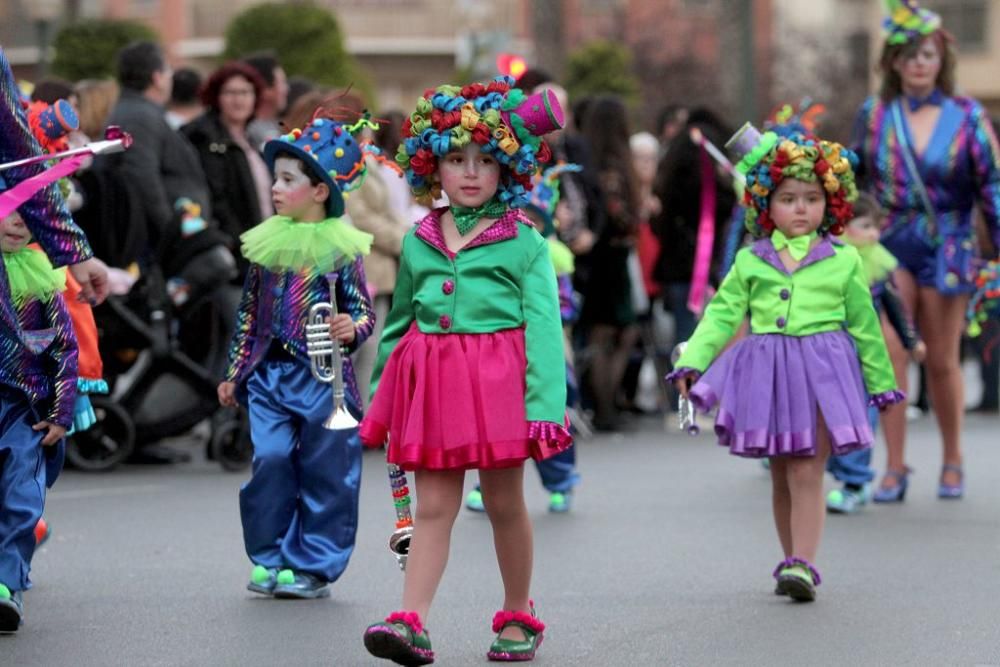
796 390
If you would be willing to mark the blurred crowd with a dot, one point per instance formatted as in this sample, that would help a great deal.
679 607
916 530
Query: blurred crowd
175 204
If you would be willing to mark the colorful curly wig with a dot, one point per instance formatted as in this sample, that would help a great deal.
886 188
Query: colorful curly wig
773 158
492 115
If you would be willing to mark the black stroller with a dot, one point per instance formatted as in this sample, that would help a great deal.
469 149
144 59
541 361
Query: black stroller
164 347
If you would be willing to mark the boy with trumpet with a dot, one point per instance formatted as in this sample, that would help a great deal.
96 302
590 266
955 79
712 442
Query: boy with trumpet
300 507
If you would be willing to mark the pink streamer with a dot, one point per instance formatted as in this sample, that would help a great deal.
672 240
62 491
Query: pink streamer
706 237
27 188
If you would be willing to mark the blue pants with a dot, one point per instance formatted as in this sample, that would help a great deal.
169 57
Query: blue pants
300 507
26 468
558 472
855 467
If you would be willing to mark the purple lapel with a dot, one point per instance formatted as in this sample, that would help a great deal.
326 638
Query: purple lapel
764 249
505 227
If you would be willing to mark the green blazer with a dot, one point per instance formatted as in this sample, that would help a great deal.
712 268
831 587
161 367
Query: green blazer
827 292
503 279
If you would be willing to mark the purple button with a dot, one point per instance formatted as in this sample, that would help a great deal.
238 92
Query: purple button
785 294
780 322
445 322
448 286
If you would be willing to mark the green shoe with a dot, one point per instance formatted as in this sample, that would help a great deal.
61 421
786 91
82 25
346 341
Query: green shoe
474 501
300 586
559 503
11 609
514 650
797 578
401 637
263 580
846 501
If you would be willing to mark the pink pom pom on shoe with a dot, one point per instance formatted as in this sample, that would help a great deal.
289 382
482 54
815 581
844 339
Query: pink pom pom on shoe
410 618
505 617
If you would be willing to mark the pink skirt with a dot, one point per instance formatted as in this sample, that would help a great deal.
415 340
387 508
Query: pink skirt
454 402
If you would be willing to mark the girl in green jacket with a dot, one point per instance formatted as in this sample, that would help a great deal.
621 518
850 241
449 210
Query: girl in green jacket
470 371
795 390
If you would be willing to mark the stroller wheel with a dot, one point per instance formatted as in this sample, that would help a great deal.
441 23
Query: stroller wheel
105 444
231 445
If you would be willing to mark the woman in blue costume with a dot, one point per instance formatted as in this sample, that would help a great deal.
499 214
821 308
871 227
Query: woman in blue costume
930 157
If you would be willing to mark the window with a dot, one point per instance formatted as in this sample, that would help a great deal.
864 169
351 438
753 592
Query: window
967 20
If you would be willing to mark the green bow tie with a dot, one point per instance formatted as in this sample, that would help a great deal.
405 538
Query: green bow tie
798 247
466 218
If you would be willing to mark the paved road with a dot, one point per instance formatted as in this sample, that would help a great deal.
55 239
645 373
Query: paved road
665 560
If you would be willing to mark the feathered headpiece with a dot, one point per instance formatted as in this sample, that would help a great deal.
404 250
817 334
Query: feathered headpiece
907 20
767 159
508 124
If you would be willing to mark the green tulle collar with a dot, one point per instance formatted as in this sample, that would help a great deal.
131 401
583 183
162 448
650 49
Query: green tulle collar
876 261
31 275
283 244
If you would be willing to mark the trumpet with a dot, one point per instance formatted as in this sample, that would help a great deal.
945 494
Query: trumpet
399 541
326 360
686 415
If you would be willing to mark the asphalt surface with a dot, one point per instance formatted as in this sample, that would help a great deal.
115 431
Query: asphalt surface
665 560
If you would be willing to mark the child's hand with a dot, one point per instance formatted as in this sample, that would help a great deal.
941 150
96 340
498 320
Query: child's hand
919 352
227 394
54 435
683 385
342 328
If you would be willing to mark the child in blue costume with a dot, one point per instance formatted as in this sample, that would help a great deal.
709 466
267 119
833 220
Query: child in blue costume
48 221
300 507
558 473
38 407
854 469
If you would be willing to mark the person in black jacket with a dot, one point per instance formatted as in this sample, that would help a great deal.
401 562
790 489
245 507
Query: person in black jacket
160 159
678 184
238 179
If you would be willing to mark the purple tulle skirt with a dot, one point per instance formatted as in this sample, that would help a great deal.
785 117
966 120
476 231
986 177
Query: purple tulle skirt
768 388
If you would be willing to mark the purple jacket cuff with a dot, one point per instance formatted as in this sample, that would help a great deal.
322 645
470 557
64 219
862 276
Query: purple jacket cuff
683 372
886 398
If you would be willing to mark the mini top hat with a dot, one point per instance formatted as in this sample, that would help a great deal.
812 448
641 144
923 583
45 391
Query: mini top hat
506 122
767 159
907 20
50 123
545 194
332 151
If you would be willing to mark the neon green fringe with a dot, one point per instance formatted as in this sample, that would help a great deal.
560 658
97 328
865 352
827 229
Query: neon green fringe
282 244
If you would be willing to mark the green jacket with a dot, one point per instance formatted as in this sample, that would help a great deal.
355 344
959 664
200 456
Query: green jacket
827 292
502 280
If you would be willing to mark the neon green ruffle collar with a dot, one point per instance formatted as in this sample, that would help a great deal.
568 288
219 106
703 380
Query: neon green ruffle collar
283 244
876 261
31 274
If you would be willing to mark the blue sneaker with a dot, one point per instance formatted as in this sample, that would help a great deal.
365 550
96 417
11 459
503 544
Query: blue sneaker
474 501
300 586
11 609
263 580
559 503
847 501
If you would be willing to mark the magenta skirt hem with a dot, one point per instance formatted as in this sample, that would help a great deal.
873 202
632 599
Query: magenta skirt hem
508 454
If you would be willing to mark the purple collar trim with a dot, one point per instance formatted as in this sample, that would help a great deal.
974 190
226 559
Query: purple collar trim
764 249
505 227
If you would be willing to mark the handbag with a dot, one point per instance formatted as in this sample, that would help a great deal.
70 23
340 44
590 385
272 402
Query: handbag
955 250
